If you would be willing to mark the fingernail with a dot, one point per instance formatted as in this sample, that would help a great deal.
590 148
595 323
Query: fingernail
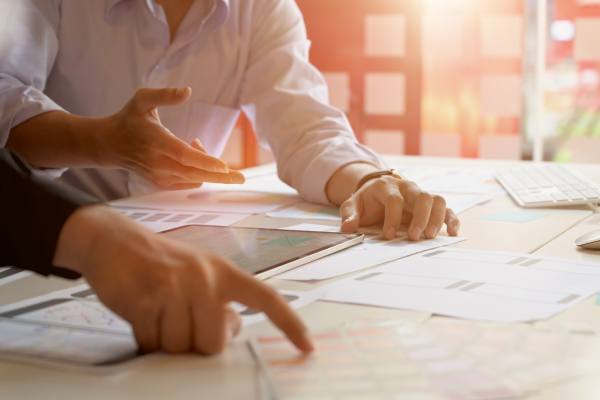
431 232
415 233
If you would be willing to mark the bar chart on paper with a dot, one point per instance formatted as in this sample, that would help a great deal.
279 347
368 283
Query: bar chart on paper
442 358
163 220
473 284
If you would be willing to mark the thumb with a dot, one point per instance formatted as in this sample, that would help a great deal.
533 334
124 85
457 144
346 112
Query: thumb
350 213
146 99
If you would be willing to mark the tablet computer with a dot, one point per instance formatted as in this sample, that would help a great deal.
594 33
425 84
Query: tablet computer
264 252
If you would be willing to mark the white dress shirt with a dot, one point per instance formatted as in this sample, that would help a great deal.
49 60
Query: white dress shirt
88 57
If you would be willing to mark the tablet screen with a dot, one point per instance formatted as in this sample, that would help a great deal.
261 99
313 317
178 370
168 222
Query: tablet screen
256 249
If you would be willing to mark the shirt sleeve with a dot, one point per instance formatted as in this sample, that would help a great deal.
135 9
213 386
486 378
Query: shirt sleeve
34 210
286 99
28 48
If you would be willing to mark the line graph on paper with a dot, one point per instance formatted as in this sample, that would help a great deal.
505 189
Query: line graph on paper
74 313
40 342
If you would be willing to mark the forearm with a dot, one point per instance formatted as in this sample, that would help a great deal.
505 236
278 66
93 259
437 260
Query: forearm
34 211
343 182
57 139
85 227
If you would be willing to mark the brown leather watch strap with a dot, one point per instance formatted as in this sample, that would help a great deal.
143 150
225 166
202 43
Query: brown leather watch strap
375 175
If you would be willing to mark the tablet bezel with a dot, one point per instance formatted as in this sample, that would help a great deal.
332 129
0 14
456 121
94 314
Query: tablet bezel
346 240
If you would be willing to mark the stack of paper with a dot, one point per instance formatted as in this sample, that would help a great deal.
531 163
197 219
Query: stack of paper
473 284
368 254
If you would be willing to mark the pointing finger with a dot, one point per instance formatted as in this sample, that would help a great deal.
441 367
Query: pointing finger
245 289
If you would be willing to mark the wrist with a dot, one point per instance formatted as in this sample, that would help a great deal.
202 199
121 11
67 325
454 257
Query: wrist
376 175
91 139
80 234
343 182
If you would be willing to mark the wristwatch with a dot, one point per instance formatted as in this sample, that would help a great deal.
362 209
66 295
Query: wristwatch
375 175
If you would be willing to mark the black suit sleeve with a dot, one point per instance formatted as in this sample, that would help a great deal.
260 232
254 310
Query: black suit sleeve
34 209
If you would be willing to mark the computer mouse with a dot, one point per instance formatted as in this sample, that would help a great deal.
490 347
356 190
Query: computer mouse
589 241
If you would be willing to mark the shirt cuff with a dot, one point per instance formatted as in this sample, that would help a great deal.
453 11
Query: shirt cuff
334 156
33 103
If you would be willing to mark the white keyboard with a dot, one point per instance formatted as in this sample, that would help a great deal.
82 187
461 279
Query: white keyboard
548 185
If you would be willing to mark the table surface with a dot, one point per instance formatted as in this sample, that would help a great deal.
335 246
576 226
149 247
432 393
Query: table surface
233 374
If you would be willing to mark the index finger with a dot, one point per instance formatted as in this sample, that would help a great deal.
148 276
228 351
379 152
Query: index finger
245 289
185 154
350 213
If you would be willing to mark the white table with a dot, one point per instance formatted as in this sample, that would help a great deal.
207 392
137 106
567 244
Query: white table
232 375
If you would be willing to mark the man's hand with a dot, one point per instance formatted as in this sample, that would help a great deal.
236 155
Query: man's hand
391 201
133 139
139 142
396 202
175 298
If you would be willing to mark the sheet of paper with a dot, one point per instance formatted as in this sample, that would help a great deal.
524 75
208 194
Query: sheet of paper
519 216
307 211
368 254
443 180
438 359
215 201
459 202
296 299
160 221
11 274
473 284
